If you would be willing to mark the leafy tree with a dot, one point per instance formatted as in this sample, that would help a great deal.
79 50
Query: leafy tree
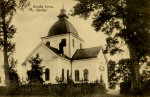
119 72
35 74
125 22
112 74
145 63
13 76
124 70
7 29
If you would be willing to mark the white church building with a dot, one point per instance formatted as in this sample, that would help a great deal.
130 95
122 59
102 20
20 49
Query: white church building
64 56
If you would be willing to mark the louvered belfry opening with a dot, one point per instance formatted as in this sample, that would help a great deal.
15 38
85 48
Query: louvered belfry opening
61 45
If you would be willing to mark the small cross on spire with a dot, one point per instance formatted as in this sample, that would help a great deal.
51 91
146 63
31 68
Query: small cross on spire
63 5
62 13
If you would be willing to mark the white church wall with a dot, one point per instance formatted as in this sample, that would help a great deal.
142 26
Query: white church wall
77 42
23 74
44 53
49 61
53 68
2 77
102 67
52 65
80 65
55 40
96 66
66 65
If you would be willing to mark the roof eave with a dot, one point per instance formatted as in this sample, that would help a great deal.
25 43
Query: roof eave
83 59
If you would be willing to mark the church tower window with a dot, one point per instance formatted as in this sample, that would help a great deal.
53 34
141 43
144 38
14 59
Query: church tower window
80 46
47 74
48 43
86 73
77 75
62 74
73 44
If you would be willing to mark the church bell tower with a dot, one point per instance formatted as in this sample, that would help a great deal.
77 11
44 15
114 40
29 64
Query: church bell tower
63 36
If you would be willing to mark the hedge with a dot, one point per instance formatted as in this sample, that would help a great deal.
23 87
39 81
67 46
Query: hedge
55 89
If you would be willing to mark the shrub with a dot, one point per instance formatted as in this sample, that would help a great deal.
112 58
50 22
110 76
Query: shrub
36 72
145 88
9 91
67 90
125 87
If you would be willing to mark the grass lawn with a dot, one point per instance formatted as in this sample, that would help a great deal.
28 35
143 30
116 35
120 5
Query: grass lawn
94 95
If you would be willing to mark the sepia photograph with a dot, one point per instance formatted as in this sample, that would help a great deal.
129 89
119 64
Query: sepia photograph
74 48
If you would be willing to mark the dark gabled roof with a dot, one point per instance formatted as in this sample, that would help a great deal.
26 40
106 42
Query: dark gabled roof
56 51
80 53
86 53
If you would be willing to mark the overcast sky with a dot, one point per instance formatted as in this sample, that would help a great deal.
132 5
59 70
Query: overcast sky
31 26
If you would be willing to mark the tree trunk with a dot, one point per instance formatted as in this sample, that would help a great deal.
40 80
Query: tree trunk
135 78
5 52
6 66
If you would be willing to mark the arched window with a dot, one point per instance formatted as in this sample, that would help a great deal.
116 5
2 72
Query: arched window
76 75
101 79
80 46
73 44
0 79
86 73
48 43
67 75
47 74
62 74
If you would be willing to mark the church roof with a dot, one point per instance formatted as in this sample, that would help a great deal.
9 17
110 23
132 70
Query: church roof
62 26
86 53
80 53
56 51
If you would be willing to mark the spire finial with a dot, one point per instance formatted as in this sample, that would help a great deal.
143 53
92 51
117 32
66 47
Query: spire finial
62 13
63 5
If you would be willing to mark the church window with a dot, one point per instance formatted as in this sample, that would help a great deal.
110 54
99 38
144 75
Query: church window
67 75
86 74
77 75
80 46
101 79
47 74
62 74
48 43
73 44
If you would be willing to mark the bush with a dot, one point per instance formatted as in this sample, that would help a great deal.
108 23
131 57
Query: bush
125 87
36 72
145 88
9 91
68 90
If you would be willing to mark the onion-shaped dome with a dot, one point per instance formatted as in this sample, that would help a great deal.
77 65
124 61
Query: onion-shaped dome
62 26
